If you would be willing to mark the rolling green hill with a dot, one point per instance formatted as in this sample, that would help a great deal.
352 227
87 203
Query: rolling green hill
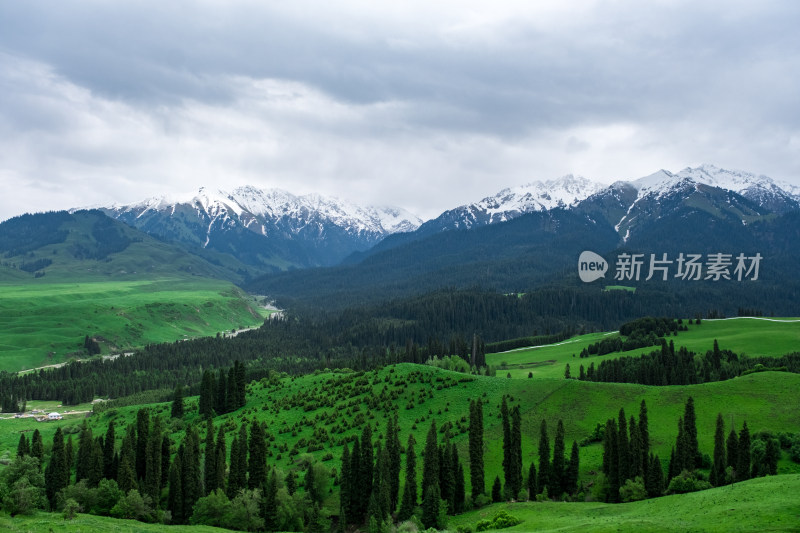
45 323
764 504
750 336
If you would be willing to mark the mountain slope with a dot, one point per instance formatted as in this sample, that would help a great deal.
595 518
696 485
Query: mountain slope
267 229
89 246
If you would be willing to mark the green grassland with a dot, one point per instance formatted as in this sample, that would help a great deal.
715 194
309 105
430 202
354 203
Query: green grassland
763 504
327 407
750 336
45 323
84 523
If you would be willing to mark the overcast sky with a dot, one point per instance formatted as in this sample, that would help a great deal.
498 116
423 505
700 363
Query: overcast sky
425 105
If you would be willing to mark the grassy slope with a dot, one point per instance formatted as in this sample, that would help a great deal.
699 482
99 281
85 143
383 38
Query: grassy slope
764 504
766 400
749 336
43 323
85 523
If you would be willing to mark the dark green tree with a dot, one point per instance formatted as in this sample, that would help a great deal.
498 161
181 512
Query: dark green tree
166 456
497 492
533 488
345 483
654 483
109 443
409 500
366 465
257 462
270 502
69 452
611 460
191 480
693 458
126 471
460 494
207 388
573 468
623 448
37 446
544 458
644 437
152 477
732 450
635 444
85 444
23 447
430 479
393 449
56 475
516 451
175 495
222 455
177 403
717 476
237 478
557 482
476 448
508 449
210 460
221 396
142 437
743 464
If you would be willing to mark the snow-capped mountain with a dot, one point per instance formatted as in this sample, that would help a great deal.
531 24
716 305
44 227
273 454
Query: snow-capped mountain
267 227
565 192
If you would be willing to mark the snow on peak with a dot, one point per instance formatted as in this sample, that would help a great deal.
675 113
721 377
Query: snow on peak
733 180
565 192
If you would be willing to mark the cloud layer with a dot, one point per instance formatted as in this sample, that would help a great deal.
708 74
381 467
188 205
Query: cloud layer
423 106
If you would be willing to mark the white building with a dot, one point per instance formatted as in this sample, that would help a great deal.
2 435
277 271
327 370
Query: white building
53 416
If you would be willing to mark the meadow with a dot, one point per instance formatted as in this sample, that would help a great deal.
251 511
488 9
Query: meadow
748 336
311 416
763 504
45 323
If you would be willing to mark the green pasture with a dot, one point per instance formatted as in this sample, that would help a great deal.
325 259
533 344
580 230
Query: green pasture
763 504
85 523
749 336
45 323
767 401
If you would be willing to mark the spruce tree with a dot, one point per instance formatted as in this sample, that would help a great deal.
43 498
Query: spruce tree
354 506
177 403
222 454
237 478
654 482
393 449
209 460
142 437
430 479
345 483
191 481
573 468
69 453
152 484
717 476
497 493
221 395
108 451
270 503
366 465
23 447
743 464
85 443
732 450
612 449
95 472
126 475
430 506
544 457
693 457
682 451
623 448
56 475
206 402
460 493
166 456
476 448
644 437
257 463
533 489
556 485
409 500
508 450
175 495
516 451
447 478
37 446
635 443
